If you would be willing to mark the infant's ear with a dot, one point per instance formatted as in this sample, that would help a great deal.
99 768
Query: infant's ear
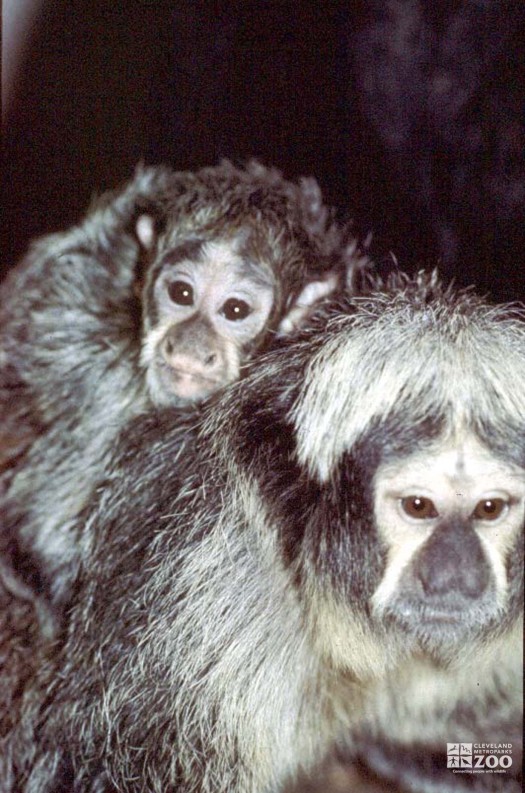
303 305
147 235
146 231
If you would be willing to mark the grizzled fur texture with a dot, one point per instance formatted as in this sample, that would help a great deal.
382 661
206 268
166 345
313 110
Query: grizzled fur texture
72 317
234 618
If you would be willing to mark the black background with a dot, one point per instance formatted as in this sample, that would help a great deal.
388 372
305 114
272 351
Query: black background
410 114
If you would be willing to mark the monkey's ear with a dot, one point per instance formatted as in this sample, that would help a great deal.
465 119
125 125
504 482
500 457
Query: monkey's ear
147 235
305 302
146 231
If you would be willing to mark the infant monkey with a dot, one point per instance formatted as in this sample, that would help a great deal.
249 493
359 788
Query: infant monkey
231 267
156 298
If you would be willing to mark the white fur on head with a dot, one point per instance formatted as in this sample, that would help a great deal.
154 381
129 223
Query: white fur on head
464 361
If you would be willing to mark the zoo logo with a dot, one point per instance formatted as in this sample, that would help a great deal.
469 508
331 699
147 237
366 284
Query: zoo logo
467 758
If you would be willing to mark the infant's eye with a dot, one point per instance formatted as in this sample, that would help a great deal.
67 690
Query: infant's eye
419 507
181 293
235 310
489 509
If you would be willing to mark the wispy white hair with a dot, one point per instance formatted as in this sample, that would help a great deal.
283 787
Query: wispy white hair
444 354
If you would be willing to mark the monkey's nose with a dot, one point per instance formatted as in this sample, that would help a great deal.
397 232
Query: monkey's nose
453 561
195 361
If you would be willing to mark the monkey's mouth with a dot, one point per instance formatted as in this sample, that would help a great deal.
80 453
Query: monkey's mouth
192 382
186 385
417 620
438 626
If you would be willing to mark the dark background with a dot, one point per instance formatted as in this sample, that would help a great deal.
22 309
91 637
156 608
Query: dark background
410 114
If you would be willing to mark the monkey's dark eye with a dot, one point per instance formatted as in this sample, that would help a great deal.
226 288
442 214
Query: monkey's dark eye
181 293
489 509
235 309
419 507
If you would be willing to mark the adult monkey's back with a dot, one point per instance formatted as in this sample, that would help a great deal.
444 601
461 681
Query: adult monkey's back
336 559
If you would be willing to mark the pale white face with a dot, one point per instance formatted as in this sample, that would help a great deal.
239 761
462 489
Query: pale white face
207 311
461 481
236 297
